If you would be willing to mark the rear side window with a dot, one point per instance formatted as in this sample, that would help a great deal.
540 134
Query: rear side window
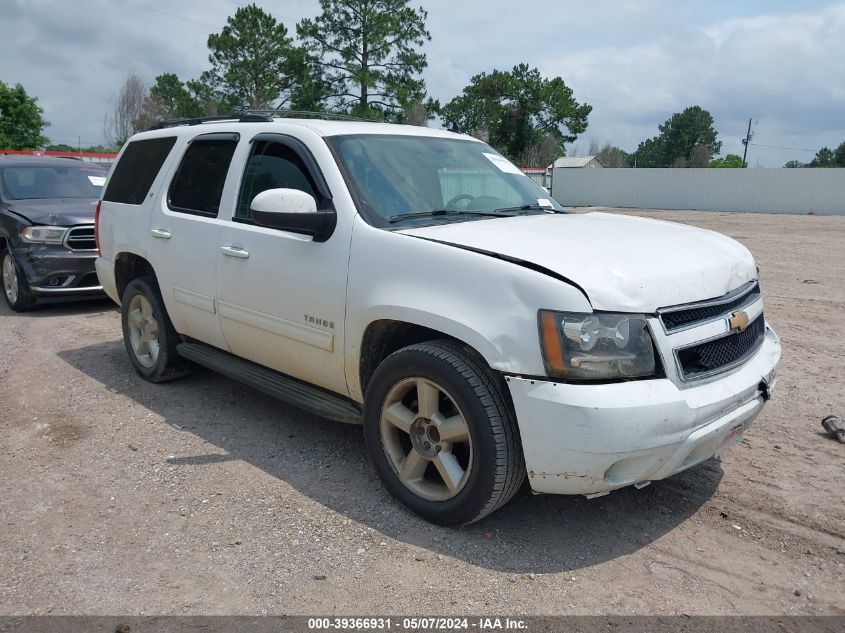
197 186
137 169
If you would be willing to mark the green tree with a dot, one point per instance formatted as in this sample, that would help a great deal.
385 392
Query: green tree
174 98
679 137
368 51
731 161
253 61
61 147
794 164
516 110
825 157
21 119
839 155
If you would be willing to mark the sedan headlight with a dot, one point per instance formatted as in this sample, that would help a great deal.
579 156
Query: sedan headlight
598 346
43 234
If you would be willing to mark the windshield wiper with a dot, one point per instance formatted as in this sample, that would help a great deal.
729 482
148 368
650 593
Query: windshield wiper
438 212
529 207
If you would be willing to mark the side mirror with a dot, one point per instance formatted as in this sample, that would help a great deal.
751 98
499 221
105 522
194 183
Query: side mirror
293 210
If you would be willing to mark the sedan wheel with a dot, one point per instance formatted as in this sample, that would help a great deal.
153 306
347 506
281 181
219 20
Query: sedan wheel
426 439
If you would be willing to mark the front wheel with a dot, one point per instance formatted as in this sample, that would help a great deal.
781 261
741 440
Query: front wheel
16 289
441 433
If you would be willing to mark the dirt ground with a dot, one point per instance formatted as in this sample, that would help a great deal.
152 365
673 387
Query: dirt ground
205 497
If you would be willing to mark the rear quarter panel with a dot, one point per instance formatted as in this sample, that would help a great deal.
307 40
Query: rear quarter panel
124 228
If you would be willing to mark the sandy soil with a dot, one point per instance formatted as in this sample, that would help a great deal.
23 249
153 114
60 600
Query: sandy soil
205 497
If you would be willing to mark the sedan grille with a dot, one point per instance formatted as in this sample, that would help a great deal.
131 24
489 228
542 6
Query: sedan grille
717 355
81 238
684 316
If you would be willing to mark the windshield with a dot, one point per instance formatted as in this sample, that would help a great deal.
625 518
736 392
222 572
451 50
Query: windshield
421 178
43 182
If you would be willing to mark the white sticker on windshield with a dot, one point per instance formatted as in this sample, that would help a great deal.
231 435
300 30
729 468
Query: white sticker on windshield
503 163
97 181
545 202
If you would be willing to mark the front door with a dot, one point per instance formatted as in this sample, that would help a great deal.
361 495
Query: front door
282 296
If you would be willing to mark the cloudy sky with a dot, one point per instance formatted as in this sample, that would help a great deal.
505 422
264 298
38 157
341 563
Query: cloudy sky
635 61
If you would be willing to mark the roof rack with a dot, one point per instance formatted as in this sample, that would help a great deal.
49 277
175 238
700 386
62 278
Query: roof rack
309 114
192 121
259 116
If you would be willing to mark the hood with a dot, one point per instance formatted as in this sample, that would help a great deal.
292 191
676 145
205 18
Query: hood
57 212
622 263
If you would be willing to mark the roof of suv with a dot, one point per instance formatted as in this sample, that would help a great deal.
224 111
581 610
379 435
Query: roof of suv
322 127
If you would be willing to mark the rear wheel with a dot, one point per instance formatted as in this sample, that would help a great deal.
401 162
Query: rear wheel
16 289
148 334
441 433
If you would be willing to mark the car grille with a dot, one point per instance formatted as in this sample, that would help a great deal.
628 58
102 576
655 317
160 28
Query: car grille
676 318
710 357
81 238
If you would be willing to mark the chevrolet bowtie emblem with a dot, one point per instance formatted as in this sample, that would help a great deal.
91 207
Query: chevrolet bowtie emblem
738 321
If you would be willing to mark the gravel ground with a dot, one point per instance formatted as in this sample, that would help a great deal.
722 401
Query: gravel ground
205 497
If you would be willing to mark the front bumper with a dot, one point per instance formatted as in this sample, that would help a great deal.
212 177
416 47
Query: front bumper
590 439
53 270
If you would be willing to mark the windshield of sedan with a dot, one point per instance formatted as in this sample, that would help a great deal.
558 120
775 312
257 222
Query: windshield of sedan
44 182
404 179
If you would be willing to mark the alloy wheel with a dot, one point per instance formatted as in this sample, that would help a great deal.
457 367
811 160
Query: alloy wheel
426 439
10 279
143 331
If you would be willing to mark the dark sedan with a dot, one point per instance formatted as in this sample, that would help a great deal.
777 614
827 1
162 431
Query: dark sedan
47 245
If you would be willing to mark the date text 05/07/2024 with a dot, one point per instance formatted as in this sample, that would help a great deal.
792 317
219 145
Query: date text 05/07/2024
416 624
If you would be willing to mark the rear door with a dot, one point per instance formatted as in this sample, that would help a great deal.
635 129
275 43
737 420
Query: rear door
282 296
183 234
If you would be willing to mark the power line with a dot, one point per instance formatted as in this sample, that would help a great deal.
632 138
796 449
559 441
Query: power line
797 149
167 13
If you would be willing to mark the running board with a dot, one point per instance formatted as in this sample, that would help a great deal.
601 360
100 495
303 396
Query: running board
299 394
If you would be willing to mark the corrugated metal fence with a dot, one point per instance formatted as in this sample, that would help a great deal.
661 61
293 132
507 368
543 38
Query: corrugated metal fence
820 191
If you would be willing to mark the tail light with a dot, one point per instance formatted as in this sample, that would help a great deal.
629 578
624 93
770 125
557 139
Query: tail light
97 225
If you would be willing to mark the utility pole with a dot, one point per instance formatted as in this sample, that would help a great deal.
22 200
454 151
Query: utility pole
745 142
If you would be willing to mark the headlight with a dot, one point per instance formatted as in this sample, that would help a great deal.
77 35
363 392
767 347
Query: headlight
598 346
44 234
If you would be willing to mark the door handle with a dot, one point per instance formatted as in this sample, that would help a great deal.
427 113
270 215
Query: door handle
234 251
161 234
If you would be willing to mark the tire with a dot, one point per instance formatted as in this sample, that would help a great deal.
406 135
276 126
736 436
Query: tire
148 334
16 288
420 452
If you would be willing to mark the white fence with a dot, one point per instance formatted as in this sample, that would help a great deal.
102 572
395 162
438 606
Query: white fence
820 191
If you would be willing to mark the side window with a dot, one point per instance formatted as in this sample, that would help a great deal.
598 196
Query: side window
198 184
137 169
274 166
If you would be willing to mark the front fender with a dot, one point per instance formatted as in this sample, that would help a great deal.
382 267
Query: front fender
487 303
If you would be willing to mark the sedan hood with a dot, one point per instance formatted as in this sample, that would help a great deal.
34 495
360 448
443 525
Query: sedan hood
622 263
56 212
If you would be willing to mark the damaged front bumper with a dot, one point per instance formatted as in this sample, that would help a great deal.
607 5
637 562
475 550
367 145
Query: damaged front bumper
52 269
590 439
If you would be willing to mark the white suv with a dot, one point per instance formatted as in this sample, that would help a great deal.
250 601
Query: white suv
415 281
